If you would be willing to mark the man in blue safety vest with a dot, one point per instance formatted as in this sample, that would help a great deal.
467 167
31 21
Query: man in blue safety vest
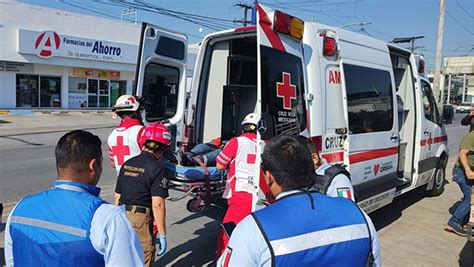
70 225
302 228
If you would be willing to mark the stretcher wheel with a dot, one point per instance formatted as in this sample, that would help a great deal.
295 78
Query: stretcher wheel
194 205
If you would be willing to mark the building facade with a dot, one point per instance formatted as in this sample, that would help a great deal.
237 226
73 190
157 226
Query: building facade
51 58
458 79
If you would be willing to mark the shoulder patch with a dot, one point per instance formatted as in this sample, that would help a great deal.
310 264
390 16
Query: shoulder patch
344 192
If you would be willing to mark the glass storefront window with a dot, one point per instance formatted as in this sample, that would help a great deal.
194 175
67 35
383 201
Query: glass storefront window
77 92
117 88
27 90
50 88
77 85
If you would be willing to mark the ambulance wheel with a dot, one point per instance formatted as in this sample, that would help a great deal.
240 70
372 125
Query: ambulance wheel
192 205
438 183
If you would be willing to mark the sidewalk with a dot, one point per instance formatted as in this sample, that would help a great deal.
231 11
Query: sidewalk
61 120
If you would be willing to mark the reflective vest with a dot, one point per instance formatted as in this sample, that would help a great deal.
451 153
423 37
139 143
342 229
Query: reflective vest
323 182
52 228
310 229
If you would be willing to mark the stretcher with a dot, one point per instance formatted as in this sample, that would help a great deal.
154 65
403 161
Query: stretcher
200 183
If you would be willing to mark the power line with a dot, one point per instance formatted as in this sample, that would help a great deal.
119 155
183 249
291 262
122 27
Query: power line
205 21
456 20
95 11
465 10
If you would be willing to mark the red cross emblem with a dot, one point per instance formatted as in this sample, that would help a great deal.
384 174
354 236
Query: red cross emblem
430 142
286 90
132 99
120 150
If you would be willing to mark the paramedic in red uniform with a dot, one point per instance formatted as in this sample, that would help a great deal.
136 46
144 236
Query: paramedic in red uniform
123 142
238 157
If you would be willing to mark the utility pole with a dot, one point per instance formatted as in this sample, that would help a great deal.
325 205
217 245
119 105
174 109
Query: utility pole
438 87
246 8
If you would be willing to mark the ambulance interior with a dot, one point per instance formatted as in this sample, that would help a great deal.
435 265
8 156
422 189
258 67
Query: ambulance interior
406 106
228 88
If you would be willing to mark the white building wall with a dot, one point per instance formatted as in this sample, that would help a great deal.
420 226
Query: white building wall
7 95
15 16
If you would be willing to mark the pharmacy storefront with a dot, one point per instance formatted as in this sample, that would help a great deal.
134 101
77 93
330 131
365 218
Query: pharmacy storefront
53 69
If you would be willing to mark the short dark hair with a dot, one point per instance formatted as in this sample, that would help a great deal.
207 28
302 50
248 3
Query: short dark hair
155 146
129 114
76 149
289 162
249 128
308 143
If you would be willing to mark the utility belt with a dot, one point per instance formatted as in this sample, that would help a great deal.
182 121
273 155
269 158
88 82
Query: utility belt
137 209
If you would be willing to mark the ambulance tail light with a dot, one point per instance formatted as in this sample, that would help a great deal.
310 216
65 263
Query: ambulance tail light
421 65
288 25
329 44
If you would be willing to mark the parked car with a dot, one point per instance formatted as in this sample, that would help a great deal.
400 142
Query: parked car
464 108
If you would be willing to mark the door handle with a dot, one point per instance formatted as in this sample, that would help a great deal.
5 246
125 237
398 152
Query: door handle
394 138
426 132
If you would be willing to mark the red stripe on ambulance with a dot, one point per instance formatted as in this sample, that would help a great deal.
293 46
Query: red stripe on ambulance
266 25
373 154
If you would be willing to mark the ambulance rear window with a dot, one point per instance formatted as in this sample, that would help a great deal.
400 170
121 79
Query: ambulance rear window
160 90
283 91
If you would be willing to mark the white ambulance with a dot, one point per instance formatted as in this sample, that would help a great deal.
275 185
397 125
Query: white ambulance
361 100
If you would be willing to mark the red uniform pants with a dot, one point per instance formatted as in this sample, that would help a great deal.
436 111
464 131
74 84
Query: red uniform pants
240 205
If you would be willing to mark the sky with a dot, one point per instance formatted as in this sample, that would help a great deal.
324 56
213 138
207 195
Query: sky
388 18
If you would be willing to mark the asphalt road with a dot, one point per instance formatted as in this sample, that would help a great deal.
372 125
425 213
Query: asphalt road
27 166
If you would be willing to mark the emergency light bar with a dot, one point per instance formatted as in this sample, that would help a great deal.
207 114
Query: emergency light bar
289 25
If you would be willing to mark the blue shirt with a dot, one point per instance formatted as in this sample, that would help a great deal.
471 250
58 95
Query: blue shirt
247 246
111 235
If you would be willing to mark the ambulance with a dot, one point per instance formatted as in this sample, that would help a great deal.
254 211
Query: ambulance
361 100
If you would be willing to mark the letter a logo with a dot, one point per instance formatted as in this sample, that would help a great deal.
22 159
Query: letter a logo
47 44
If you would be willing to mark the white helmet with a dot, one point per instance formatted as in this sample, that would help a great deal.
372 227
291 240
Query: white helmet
251 118
126 103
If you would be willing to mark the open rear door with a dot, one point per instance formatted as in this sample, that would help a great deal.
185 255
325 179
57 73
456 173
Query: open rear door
281 79
161 74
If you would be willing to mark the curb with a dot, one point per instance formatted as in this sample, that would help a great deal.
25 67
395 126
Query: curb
4 112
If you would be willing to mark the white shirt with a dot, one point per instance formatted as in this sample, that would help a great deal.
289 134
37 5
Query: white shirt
111 235
339 185
249 247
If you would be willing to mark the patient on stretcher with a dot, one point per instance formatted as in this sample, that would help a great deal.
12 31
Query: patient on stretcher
205 154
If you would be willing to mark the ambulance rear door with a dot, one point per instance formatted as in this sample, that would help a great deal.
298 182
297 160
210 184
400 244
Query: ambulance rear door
161 76
372 145
281 77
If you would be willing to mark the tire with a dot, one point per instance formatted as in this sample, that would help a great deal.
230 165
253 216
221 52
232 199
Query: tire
192 205
439 180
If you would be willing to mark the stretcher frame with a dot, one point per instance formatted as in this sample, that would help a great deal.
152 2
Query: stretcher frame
200 191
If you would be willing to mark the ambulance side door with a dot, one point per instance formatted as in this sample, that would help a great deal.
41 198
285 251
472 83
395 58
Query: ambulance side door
371 148
431 133
161 76
281 77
